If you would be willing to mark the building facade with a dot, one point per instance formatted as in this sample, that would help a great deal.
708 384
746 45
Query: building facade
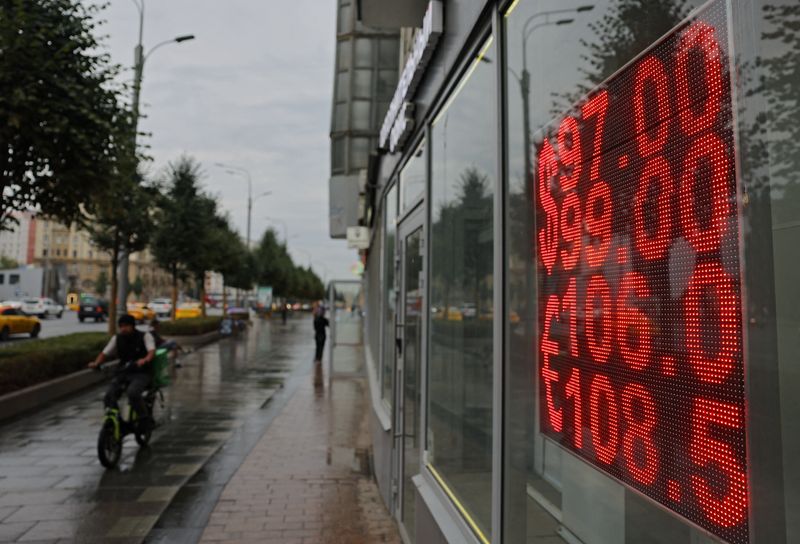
71 263
581 281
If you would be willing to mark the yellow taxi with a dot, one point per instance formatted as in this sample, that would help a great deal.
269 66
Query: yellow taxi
188 311
140 311
12 321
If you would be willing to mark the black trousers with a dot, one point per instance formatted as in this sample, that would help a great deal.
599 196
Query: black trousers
320 347
135 384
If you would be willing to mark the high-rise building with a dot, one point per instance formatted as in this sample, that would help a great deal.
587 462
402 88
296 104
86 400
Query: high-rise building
366 75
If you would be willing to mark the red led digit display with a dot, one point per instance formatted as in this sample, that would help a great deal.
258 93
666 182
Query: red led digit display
641 371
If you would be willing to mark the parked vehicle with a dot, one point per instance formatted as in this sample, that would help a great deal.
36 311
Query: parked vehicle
12 321
140 311
188 311
42 307
16 304
161 306
92 307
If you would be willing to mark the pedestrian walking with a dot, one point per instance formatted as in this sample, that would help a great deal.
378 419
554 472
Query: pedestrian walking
284 313
320 334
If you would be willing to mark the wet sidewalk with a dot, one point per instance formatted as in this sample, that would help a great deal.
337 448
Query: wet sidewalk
308 478
53 489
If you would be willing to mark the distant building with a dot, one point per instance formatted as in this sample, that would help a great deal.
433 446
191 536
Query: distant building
71 263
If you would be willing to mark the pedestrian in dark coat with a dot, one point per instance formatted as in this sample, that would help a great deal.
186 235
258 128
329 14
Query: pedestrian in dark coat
320 334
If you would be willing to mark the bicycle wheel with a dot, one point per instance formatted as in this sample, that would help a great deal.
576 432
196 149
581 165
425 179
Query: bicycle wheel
143 437
109 448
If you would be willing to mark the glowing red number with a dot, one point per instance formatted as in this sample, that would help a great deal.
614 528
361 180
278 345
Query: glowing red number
728 509
550 376
569 154
598 223
651 70
699 37
712 149
548 235
597 106
654 247
602 394
571 230
574 393
640 425
599 344
708 279
570 305
630 319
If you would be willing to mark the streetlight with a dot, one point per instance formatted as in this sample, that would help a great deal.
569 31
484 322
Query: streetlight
139 58
239 171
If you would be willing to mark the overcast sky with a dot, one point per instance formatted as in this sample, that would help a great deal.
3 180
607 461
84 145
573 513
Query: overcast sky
254 89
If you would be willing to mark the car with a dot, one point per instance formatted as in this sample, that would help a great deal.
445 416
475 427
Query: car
188 311
13 321
161 306
469 310
92 307
140 311
42 307
16 304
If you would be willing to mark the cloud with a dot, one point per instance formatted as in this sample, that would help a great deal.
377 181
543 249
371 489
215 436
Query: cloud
254 89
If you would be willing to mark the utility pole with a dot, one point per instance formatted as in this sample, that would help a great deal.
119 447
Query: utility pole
139 59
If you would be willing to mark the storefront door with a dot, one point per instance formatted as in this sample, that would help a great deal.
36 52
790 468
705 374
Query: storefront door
409 355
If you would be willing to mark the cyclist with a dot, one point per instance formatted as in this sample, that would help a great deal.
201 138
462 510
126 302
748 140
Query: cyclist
135 350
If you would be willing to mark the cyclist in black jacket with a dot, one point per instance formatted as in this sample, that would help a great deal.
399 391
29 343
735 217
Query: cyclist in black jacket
135 350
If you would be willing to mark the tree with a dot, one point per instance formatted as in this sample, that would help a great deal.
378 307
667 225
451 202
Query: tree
207 255
180 231
626 29
8 262
62 121
137 286
122 221
101 283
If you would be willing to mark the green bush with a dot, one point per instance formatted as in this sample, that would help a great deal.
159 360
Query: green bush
189 327
29 363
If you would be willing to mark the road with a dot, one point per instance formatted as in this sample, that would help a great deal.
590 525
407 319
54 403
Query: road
52 487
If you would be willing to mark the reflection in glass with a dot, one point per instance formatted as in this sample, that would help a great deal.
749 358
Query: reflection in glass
553 59
459 438
411 355
390 295
412 178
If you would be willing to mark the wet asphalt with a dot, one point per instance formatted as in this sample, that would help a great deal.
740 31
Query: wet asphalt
53 488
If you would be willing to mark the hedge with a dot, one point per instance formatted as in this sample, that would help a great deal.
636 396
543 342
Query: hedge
30 363
191 326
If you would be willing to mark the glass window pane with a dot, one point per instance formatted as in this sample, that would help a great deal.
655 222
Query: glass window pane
343 51
390 294
345 19
389 53
461 293
361 114
387 82
342 86
359 153
364 53
340 116
337 155
552 339
362 87
412 178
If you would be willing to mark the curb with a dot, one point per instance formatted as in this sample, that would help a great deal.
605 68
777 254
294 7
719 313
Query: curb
36 396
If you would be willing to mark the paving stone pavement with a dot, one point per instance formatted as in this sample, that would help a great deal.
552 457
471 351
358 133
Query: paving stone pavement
307 480
52 487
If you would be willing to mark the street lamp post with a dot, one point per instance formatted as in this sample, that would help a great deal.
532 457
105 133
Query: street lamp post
139 59
238 170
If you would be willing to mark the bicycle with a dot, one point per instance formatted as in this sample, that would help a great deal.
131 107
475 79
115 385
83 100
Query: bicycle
116 427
